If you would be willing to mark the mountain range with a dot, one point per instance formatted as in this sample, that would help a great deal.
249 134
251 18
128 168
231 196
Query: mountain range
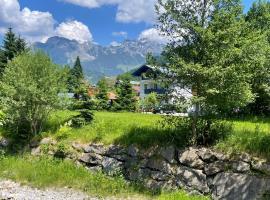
98 60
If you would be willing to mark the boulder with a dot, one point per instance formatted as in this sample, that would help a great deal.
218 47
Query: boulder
240 166
47 141
195 179
190 158
168 153
207 155
132 151
112 166
77 146
91 159
36 151
4 142
261 166
157 163
232 186
214 168
95 148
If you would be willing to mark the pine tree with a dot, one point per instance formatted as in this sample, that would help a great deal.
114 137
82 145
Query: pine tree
10 47
126 97
102 94
21 45
76 76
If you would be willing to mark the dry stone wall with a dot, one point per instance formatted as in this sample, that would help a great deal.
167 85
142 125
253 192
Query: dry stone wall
197 170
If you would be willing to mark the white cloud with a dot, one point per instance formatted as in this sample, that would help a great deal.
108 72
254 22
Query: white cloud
115 44
74 30
120 34
33 25
154 35
127 10
38 26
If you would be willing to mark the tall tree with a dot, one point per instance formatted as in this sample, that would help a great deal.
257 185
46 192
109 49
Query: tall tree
212 51
76 77
10 47
102 94
259 19
126 97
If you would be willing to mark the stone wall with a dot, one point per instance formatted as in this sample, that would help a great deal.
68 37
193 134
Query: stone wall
197 170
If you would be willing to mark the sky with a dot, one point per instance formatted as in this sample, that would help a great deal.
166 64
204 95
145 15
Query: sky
106 22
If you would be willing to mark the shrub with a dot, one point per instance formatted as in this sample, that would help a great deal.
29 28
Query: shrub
209 131
29 92
78 122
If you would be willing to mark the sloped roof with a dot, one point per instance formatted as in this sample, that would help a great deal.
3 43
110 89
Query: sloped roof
142 69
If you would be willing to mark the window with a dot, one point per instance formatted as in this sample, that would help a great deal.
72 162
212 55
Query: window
145 86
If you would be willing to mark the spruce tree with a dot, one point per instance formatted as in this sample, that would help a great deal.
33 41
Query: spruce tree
10 47
76 76
126 97
102 94
21 45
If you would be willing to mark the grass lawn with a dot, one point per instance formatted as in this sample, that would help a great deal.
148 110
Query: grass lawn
45 172
251 135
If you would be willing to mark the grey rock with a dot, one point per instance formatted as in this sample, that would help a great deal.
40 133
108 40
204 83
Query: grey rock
34 143
240 166
115 150
132 151
36 151
157 185
78 147
4 142
261 166
232 186
214 168
207 155
160 176
191 158
95 148
112 166
157 163
192 178
136 174
48 141
245 158
91 159
168 153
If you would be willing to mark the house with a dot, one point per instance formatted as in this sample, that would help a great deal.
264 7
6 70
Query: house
150 82
147 82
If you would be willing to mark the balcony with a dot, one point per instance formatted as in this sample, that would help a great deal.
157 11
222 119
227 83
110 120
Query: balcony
158 91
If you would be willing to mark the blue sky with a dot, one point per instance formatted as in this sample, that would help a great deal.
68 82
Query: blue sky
103 21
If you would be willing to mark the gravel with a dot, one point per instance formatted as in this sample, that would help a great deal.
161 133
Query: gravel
11 190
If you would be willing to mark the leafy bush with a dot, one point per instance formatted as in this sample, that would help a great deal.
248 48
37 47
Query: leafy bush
209 131
87 115
29 92
78 122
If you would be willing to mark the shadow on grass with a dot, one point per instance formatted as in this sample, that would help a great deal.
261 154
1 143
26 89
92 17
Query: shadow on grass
150 136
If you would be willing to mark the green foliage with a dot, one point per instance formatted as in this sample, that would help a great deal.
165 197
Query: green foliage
150 102
102 95
210 131
85 117
75 78
29 92
126 98
218 52
12 47
258 18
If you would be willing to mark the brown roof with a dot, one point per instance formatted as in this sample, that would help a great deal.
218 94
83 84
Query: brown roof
112 96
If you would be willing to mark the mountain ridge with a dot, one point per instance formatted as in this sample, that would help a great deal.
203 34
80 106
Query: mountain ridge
98 60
